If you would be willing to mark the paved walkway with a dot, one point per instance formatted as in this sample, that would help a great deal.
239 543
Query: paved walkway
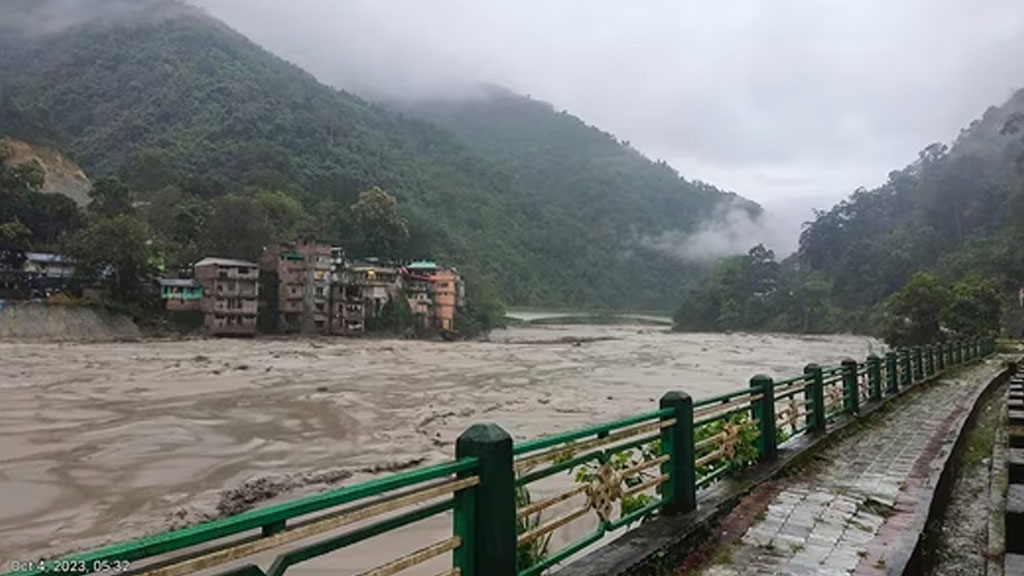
843 514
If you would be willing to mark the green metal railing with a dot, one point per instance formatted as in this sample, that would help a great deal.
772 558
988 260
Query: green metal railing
620 473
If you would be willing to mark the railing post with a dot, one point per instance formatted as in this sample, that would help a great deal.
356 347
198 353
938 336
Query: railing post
851 392
919 369
875 377
815 392
491 519
677 442
908 375
892 383
763 410
929 360
940 357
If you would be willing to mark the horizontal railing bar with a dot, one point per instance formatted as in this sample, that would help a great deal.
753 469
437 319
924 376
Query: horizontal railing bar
709 457
545 504
527 537
790 391
532 460
743 403
721 398
331 523
625 520
740 409
413 558
333 543
556 468
564 553
634 443
549 441
709 441
709 478
206 532
802 378
653 482
645 465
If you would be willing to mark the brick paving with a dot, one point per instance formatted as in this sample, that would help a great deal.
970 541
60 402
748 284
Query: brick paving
842 515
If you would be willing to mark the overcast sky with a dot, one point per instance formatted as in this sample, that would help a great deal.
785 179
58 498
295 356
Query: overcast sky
772 99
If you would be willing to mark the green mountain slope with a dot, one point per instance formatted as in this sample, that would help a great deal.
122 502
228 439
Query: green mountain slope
955 213
159 93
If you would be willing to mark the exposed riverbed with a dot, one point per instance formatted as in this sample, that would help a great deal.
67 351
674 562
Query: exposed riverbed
104 442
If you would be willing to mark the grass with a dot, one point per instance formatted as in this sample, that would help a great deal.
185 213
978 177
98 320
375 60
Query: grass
723 555
978 447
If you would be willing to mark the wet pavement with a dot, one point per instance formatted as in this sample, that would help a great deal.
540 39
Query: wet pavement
846 513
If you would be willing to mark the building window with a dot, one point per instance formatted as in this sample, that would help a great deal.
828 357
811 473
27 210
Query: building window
319 290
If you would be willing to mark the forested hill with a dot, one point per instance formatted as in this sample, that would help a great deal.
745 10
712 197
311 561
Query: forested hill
956 214
572 165
189 112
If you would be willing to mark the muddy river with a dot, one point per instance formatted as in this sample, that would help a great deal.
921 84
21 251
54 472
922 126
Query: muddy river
104 442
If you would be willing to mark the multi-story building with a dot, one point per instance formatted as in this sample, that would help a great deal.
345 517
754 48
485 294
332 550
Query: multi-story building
347 308
301 273
449 296
230 301
47 265
375 282
434 294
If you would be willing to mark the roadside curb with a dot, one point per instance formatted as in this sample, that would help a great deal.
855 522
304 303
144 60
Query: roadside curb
909 556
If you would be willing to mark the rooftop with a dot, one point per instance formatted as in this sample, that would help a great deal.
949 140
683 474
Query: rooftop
43 257
224 262
423 265
178 282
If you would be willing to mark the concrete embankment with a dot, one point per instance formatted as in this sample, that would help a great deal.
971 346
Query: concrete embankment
40 322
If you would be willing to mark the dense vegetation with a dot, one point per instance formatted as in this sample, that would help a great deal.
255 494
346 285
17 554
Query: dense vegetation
613 198
211 131
121 244
954 214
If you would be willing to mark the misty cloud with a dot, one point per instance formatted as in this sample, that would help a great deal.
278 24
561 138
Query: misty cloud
771 99
34 17
731 231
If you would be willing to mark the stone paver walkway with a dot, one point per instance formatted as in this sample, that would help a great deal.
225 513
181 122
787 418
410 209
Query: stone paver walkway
844 514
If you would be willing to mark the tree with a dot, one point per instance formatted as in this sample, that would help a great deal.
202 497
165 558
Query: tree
483 311
15 234
381 226
241 225
116 249
110 197
973 310
15 239
912 316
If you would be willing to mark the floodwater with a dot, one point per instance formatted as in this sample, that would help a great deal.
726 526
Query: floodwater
100 443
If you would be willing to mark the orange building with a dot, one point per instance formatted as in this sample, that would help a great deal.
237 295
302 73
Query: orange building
434 294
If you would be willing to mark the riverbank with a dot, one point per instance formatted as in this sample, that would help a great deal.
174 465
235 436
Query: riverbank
38 322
